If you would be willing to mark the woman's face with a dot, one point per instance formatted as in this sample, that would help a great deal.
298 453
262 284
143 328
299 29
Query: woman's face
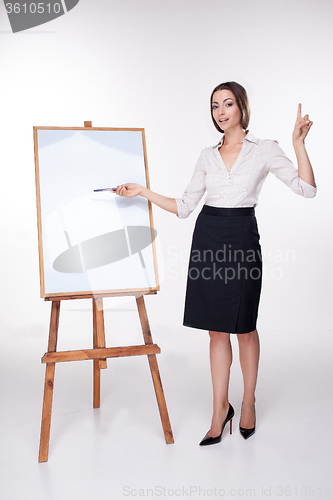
226 113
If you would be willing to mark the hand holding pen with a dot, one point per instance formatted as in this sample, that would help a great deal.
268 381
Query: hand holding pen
128 190
131 189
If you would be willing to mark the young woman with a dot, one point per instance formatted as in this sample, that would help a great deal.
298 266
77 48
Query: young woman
225 269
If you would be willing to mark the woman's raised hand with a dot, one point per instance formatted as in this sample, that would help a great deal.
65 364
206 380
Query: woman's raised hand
302 126
129 190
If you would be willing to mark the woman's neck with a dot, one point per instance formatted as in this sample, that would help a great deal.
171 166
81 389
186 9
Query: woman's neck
233 137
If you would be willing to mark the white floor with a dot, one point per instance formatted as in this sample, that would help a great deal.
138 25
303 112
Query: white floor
119 451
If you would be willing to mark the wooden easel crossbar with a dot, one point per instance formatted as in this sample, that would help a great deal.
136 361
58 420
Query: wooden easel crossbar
99 355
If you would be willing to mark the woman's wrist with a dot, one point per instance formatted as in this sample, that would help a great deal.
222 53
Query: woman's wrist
298 144
143 191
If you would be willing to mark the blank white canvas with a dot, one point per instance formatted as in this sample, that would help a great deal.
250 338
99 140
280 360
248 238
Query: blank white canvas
72 163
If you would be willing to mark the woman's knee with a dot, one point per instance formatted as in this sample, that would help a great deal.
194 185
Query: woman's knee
219 335
247 337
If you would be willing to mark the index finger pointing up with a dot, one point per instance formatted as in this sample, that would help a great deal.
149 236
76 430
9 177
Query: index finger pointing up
299 111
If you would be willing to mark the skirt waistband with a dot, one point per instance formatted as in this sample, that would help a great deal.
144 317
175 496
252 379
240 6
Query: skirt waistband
226 211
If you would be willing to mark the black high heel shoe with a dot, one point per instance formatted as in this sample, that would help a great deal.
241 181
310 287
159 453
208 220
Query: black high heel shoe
246 433
213 440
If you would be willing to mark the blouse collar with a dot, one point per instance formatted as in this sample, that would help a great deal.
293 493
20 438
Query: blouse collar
249 137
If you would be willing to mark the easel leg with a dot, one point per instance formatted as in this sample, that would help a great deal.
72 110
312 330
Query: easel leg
99 341
97 384
155 372
49 383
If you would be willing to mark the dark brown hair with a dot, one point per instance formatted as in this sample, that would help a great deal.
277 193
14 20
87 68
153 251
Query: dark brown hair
241 100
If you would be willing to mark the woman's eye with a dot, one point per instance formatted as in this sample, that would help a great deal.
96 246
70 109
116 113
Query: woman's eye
229 104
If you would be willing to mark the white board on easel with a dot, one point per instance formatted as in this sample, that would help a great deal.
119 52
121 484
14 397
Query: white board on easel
93 242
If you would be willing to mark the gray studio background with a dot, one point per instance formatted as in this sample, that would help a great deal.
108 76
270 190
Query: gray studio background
153 64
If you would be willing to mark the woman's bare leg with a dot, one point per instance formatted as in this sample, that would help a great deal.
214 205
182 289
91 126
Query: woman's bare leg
249 351
220 362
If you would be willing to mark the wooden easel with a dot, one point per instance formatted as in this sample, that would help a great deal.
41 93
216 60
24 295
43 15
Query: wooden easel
98 354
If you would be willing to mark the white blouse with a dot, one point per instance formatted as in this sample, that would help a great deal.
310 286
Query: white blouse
241 186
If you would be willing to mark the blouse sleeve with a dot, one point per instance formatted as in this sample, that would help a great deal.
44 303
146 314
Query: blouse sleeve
194 191
283 168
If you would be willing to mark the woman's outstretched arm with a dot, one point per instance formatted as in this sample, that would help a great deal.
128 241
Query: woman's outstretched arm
131 189
302 127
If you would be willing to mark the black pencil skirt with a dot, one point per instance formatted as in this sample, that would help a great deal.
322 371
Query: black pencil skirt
224 272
